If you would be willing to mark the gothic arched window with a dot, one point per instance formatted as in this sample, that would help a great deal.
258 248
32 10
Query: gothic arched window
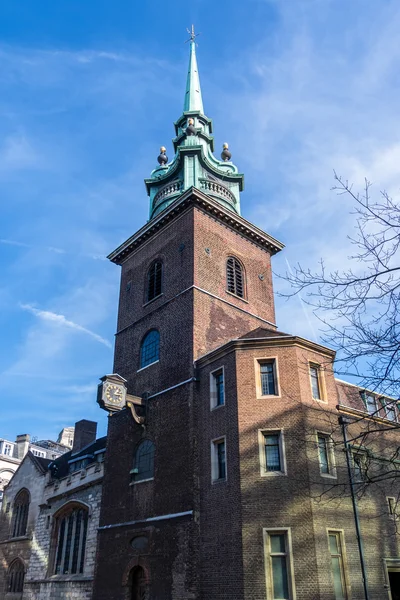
16 574
139 584
154 280
20 513
150 348
71 531
144 461
235 277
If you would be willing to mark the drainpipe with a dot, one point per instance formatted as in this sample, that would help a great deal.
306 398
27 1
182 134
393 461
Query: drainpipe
344 422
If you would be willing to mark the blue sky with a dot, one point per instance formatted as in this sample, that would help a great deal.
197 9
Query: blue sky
88 93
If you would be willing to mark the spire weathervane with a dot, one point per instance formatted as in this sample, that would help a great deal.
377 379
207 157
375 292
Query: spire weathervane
192 34
193 99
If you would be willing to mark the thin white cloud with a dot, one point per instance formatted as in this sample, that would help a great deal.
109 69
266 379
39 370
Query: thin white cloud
53 249
17 152
46 315
14 243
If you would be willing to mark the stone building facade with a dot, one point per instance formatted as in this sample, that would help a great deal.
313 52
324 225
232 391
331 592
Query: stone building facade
55 551
12 453
226 473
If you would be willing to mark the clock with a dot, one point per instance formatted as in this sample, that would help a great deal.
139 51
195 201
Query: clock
112 393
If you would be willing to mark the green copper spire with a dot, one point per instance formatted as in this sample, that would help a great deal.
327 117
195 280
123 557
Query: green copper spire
193 99
194 163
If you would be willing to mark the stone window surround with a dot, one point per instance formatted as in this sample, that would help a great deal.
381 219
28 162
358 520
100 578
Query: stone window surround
257 367
213 391
289 563
214 461
331 454
64 508
321 382
282 454
346 578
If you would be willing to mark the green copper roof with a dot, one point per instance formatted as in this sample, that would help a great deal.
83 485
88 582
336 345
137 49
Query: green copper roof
194 163
193 99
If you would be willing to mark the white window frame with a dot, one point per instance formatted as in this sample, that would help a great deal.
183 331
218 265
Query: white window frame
257 363
392 407
375 412
213 388
321 381
345 573
331 455
282 454
268 563
9 447
214 460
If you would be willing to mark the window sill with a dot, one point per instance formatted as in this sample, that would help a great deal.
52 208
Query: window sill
68 577
268 396
217 481
141 481
19 538
217 406
321 400
273 474
152 300
238 297
328 476
147 366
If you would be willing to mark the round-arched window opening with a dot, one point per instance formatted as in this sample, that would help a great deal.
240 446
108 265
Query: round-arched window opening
150 348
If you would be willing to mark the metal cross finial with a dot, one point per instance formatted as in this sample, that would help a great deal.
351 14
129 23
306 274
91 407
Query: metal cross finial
192 34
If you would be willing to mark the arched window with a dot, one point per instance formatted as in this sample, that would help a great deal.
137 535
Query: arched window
144 461
71 530
16 574
150 348
154 280
235 277
20 513
139 584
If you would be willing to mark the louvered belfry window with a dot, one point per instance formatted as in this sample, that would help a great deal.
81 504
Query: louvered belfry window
154 280
234 277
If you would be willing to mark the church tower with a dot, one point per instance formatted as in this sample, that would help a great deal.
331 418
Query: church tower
201 375
194 277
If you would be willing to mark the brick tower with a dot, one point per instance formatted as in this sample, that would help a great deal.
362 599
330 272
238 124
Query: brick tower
206 491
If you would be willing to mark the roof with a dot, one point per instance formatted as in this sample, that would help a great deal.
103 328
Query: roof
61 464
193 99
43 462
263 332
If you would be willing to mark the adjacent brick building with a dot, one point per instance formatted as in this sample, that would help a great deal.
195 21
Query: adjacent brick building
226 475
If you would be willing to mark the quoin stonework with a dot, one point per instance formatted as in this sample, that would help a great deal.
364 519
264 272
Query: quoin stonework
236 466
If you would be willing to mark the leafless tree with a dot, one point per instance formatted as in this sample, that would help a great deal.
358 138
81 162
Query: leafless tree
360 307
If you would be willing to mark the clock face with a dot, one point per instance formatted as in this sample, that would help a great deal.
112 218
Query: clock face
114 393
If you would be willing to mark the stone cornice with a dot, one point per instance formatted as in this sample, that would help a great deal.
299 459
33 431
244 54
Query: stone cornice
362 415
258 343
194 197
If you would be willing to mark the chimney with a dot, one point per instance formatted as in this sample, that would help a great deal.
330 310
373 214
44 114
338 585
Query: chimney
22 442
85 434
